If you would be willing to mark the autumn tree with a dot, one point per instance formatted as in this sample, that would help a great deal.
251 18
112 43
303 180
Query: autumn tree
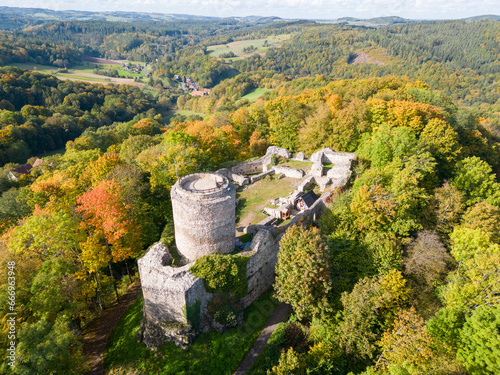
475 179
369 308
474 282
50 348
480 341
108 222
303 272
426 262
446 206
407 344
443 142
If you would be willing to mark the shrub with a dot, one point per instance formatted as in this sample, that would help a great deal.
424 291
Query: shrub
225 310
223 273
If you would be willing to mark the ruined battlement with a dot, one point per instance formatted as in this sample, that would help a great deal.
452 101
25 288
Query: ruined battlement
204 207
197 186
204 214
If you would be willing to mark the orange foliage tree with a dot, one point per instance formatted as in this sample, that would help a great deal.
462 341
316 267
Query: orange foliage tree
113 231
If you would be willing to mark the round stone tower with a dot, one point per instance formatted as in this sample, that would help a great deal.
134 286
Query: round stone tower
204 214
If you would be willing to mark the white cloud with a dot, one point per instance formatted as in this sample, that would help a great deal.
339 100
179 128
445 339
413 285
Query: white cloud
417 9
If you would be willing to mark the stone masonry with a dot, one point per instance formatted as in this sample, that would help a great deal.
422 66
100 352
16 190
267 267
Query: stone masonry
204 214
175 301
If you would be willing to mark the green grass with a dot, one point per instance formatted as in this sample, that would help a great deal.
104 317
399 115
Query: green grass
296 164
210 354
270 355
253 95
87 67
255 197
238 46
327 167
183 114
77 70
47 69
80 77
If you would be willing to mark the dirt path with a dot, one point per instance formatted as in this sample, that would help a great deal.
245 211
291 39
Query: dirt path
280 314
95 336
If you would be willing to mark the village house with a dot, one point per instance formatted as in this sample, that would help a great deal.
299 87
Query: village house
17 172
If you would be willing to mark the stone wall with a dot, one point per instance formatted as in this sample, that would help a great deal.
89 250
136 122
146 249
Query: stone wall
249 167
169 292
261 176
235 177
274 150
308 182
288 172
260 268
327 155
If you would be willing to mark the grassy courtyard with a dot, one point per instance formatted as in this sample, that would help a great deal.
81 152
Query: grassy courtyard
255 197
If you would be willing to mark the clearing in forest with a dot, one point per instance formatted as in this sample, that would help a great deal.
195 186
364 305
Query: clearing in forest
259 46
254 94
85 72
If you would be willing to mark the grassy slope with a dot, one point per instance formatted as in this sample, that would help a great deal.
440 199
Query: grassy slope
211 353
253 95
76 71
237 47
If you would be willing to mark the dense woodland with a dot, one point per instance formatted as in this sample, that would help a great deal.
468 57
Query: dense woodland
400 276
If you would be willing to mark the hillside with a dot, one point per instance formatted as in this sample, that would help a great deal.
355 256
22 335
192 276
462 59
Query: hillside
399 276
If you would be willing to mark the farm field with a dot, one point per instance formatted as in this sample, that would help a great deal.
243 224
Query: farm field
184 114
47 69
238 46
85 72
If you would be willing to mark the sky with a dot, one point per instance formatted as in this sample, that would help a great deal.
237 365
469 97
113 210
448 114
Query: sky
310 9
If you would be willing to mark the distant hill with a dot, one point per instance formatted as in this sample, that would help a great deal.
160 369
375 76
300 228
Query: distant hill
387 21
20 18
377 21
486 17
12 18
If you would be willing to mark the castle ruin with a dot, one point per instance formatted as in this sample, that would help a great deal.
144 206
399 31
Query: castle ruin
175 301
204 213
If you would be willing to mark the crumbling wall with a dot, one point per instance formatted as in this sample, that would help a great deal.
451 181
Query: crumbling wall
260 267
261 176
169 293
288 172
249 167
274 150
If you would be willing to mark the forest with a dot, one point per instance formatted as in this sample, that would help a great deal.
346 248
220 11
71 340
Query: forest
399 276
